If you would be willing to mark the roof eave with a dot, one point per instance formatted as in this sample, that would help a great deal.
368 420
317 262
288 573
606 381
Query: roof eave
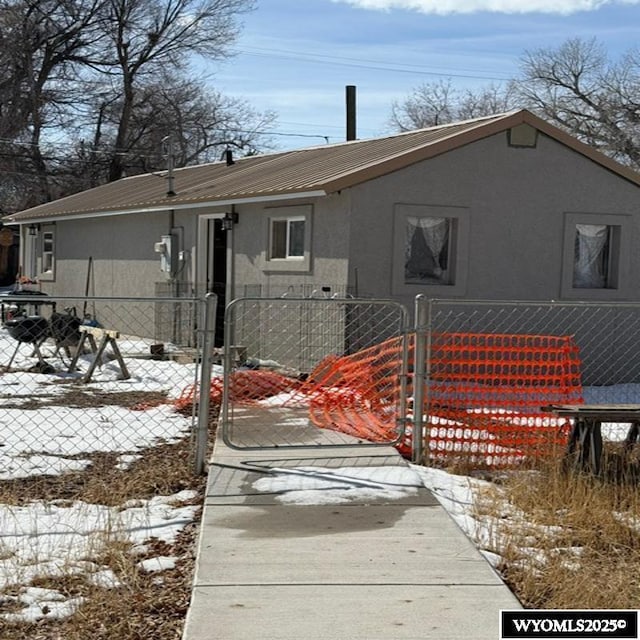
427 151
245 199
484 130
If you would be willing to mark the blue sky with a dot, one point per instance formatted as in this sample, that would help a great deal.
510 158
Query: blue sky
295 57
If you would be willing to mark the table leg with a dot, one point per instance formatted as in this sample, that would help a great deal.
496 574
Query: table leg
584 449
584 444
595 436
632 436
573 438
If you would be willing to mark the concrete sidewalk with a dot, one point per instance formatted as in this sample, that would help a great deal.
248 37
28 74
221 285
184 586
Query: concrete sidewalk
361 571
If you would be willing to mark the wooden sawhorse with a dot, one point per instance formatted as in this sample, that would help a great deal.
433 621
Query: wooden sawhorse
106 337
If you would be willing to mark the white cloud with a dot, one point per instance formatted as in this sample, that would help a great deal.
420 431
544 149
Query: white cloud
446 7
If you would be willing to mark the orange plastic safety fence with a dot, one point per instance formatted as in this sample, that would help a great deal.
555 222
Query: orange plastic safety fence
483 399
358 394
486 392
245 386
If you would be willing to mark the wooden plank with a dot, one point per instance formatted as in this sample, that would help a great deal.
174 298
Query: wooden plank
601 412
99 332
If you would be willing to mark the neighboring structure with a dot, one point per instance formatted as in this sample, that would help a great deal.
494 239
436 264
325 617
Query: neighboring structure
501 207
9 256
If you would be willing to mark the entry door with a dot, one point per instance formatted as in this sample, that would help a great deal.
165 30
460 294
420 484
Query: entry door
216 272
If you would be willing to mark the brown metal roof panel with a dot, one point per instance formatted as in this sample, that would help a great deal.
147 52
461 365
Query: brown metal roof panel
284 172
322 168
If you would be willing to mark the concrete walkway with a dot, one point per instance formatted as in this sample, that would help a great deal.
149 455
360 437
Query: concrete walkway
364 571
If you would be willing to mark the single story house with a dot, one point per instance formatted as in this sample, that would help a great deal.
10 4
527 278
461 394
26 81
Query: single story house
505 207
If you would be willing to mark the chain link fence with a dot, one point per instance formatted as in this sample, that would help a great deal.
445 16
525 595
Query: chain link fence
89 378
492 366
310 371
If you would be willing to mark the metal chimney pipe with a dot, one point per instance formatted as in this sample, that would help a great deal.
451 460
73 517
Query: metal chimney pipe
351 112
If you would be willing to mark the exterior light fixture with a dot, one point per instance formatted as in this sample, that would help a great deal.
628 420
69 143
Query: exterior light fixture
33 230
230 218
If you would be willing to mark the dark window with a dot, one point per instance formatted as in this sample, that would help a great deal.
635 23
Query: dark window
592 256
287 238
428 250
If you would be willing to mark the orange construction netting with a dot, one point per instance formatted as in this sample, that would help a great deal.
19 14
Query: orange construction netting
358 394
483 396
245 386
486 393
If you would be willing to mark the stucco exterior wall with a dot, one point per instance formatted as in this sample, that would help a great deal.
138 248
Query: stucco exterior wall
123 259
516 202
327 265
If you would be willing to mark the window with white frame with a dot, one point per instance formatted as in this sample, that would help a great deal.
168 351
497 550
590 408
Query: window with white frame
287 238
428 250
48 252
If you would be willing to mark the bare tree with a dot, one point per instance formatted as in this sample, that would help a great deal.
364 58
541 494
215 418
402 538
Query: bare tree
576 86
437 103
427 106
486 101
201 124
90 88
42 45
149 35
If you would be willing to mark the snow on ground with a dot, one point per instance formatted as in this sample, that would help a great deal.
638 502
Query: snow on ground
57 538
40 441
317 485
52 539
64 432
40 434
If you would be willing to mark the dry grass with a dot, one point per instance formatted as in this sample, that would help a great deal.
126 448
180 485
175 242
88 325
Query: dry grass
144 605
568 539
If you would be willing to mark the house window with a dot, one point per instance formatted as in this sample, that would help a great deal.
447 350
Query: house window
428 250
48 252
597 256
593 259
287 238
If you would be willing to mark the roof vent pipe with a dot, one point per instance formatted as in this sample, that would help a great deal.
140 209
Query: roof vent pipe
227 156
168 140
351 112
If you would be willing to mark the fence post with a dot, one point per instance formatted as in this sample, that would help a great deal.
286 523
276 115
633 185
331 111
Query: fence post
227 370
419 376
204 394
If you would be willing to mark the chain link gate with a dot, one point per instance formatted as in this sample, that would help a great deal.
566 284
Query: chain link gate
83 379
305 372
313 372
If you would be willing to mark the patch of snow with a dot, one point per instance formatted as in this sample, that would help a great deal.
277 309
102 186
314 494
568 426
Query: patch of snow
160 563
319 485
41 603
55 539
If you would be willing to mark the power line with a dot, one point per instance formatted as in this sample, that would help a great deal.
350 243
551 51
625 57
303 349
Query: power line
377 65
133 152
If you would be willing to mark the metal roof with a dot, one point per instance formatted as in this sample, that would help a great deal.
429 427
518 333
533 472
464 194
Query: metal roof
312 171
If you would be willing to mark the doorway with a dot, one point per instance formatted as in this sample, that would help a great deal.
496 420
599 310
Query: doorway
216 272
